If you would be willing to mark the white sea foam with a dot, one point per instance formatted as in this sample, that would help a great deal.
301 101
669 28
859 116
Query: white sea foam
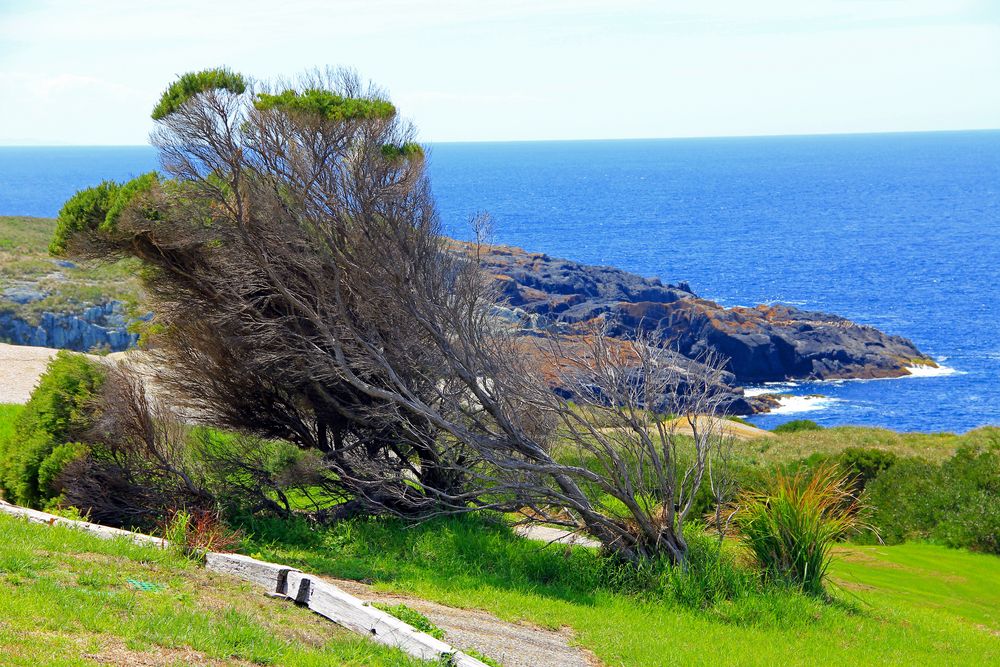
770 388
790 405
930 371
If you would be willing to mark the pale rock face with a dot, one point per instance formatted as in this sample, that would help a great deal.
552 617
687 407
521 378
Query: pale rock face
102 326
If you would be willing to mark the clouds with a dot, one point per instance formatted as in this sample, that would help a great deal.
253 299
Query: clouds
522 69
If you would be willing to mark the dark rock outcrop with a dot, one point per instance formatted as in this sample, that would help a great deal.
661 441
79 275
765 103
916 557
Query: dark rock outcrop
766 343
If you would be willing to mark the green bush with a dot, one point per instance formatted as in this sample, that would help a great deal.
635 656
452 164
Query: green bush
956 503
791 528
55 463
55 415
865 464
98 209
797 425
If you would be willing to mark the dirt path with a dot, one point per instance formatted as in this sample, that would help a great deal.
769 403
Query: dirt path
718 424
22 365
20 368
511 644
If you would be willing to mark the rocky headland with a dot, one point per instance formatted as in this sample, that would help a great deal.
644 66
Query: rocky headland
767 343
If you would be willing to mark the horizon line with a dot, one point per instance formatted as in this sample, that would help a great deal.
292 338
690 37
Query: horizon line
592 139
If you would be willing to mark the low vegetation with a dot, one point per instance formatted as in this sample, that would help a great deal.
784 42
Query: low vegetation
46 284
956 503
889 605
797 425
43 439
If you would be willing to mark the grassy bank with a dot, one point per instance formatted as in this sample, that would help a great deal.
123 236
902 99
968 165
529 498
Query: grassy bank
69 598
788 447
911 604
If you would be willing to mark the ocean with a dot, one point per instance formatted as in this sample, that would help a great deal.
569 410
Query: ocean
900 231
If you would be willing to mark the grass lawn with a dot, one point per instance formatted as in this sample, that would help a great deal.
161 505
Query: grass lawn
66 599
913 604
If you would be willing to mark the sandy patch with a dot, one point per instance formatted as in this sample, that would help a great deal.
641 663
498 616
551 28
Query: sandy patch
20 368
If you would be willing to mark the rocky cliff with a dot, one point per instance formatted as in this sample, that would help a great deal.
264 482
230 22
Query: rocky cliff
765 343
96 327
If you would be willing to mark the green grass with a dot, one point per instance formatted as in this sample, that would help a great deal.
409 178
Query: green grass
893 605
8 417
67 600
25 234
788 447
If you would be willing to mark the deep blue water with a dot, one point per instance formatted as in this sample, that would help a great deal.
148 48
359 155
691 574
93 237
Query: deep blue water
901 231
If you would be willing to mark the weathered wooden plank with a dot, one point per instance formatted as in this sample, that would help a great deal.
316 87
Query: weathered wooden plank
341 607
271 576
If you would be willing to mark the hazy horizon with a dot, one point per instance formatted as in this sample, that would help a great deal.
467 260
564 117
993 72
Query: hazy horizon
590 139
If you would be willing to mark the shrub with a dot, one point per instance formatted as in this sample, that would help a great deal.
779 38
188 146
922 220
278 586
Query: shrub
956 503
195 532
139 464
865 464
790 528
56 414
51 469
797 425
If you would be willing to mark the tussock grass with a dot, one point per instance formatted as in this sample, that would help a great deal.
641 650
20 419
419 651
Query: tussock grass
791 528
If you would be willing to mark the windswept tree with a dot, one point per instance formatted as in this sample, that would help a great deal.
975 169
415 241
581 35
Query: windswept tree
302 290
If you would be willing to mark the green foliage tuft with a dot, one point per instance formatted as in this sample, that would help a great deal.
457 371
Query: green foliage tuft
86 210
193 83
408 151
325 104
98 209
54 415
53 464
797 425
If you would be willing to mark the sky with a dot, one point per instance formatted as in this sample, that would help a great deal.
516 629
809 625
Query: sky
78 72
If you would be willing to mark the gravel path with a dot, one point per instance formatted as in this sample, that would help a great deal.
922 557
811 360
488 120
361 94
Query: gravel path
511 644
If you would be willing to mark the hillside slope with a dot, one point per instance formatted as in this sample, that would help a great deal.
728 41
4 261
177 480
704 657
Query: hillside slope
70 598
